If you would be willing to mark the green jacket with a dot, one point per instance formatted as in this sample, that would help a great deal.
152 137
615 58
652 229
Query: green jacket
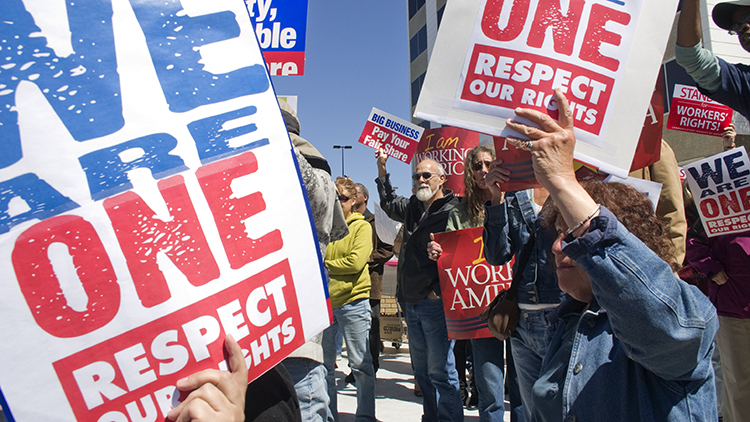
346 260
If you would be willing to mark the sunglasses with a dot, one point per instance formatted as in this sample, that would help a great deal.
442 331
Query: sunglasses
426 175
737 26
343 198
479 165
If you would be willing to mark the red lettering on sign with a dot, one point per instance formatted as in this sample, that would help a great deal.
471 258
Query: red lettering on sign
596 35
564 27
41 287
491 16
142 236
230 212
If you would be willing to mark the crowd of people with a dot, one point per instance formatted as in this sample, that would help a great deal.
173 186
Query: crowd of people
608 329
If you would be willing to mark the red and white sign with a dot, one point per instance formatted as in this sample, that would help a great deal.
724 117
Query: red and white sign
150 204
397 137
467 282
721 188
693 112
448 146
514 53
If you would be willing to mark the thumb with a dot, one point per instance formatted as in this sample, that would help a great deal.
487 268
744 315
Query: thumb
432 236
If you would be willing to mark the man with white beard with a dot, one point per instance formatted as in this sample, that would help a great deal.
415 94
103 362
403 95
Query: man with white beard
418 285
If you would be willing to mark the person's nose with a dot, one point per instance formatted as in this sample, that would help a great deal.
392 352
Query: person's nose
557 245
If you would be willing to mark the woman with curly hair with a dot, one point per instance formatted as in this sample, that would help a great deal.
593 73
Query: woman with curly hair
349 290
633 342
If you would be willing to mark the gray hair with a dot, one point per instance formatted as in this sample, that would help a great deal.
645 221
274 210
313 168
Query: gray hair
364 190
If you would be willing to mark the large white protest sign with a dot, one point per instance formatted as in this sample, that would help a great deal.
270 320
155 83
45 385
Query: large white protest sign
721 188
492 56
150 204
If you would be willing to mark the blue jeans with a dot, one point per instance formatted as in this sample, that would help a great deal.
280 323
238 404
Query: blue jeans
529 344
433 361
309 379
488 375
352 319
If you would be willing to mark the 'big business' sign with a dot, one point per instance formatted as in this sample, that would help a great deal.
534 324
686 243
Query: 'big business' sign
150 204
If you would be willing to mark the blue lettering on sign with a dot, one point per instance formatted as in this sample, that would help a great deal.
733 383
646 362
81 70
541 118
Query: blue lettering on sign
280 25
173 38
213 142
106 172
83 88
41 199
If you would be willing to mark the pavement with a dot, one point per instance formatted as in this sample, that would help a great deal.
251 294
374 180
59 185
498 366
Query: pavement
394 390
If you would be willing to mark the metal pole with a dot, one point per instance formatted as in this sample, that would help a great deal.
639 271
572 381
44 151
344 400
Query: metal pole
342 148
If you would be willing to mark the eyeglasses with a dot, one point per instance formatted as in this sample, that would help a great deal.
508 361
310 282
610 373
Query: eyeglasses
479 165
737 27
343 198
426 175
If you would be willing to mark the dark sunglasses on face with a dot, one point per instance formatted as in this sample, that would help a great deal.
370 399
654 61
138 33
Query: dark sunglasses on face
479 165
343 198
737 26
426 175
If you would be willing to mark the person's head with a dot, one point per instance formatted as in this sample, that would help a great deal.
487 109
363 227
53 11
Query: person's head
360 200
632 208
347 192
734 16
428 181
476 167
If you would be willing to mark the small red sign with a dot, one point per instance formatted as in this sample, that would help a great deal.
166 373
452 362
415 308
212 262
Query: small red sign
397 137
693 112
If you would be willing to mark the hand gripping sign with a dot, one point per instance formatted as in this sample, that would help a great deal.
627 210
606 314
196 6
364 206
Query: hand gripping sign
467 282
492 56
150 204
721 188
397 137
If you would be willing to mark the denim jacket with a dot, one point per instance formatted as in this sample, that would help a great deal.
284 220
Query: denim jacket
506 231
641 351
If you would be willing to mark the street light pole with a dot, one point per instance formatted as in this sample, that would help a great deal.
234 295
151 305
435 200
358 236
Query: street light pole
342 148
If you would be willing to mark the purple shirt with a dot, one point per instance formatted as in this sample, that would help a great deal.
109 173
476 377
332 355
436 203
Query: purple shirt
731 253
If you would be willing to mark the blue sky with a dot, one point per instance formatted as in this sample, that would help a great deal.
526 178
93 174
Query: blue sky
356 59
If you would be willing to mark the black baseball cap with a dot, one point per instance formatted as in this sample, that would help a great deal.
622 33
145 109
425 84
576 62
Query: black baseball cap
723 12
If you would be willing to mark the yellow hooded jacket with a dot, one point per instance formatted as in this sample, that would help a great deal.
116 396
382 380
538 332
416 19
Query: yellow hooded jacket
346 260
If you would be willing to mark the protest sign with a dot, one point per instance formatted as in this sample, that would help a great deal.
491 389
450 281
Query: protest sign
491 56
150 204
397 137
693 112
467 282
281 28
648 150
721 189
448 146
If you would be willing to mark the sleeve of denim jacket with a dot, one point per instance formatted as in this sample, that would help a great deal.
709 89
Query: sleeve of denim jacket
498 249
393 205
662 322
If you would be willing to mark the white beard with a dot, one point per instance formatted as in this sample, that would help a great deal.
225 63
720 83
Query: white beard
424 193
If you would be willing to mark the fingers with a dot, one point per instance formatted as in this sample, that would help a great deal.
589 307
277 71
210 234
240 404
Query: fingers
200 404
546 123
434 250
213 390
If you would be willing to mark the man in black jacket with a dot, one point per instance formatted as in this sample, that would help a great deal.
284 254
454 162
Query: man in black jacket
418 286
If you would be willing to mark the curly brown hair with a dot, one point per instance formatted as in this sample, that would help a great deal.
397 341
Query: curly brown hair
473 198
346 186
633 209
